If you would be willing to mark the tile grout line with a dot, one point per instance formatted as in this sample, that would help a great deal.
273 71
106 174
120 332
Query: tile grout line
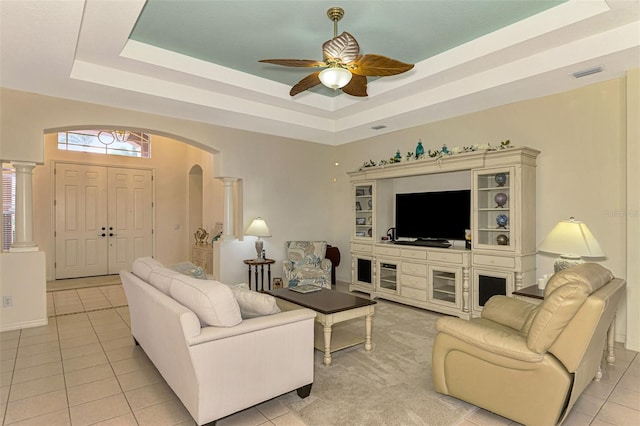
615 385
111 365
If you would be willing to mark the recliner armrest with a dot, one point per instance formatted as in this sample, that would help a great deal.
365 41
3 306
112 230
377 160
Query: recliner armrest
489 336
507 311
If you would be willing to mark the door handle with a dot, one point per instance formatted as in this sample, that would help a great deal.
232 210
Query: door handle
102 235
111 234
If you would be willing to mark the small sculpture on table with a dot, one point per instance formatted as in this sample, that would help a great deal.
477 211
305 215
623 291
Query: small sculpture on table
201 236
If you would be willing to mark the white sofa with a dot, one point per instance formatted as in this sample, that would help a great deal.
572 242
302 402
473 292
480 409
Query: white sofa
217 370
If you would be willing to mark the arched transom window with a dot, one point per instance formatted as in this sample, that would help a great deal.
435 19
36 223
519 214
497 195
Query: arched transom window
107 142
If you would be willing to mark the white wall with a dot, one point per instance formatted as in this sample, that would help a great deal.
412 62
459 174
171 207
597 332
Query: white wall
29 296
297 188
581 170
286 181
171 162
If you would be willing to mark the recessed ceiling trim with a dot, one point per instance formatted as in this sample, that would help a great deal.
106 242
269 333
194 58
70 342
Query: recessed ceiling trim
217 73
153 86
535 26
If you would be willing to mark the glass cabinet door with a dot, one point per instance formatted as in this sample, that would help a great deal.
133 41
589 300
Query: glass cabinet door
493 209
364 211
388 277
445 285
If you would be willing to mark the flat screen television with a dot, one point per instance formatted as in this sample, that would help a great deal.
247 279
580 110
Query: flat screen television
433 216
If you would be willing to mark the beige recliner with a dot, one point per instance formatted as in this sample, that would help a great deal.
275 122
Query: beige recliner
528 362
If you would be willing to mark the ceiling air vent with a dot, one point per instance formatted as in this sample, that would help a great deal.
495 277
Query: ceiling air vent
379 127
588 71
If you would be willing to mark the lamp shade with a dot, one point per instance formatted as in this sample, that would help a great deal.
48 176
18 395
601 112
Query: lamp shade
571 238
335 78
258 228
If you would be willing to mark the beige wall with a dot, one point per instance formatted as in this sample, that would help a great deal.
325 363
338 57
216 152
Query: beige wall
581 171
171 162
286 181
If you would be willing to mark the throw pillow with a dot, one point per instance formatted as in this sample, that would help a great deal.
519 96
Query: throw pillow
212 302
161 279
143 266
188 268
253 304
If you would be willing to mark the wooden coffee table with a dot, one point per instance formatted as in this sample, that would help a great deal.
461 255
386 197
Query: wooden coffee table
331 307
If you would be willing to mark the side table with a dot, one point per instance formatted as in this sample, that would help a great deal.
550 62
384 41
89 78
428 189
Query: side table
256 264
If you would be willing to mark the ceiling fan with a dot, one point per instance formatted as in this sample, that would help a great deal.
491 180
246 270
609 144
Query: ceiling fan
344 67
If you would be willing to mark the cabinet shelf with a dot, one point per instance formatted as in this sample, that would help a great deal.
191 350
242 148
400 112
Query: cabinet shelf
443 291
494 188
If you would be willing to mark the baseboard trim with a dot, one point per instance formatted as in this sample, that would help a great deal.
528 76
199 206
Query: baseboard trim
24 324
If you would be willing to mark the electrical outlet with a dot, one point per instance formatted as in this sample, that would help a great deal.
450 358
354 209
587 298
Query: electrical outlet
7 301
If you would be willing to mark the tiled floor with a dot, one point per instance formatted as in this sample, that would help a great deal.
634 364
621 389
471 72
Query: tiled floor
66 302
84 368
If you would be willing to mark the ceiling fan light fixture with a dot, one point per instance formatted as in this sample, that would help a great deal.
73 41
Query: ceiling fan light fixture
335 77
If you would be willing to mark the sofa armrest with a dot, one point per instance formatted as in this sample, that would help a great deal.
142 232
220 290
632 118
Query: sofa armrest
508 311
251 325
489 336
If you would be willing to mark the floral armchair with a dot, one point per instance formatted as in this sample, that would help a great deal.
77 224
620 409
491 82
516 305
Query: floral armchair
306 264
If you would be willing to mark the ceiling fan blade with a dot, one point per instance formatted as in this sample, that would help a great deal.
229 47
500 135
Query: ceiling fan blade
357 86
306 83
377 65
344 47
305 63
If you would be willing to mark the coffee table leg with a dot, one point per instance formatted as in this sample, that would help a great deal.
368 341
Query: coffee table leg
327 344
367 324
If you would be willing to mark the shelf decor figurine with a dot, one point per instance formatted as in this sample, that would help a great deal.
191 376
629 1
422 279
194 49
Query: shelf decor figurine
500 199
501 179
201 236
502 240
502 220
419 149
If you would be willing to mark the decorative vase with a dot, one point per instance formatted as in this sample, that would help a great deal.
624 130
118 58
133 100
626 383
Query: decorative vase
502 220
502 240
501 179
419 149
500 199
398 157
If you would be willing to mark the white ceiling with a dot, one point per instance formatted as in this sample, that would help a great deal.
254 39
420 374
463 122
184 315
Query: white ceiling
80 50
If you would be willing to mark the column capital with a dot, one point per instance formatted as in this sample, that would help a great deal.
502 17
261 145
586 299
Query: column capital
23 165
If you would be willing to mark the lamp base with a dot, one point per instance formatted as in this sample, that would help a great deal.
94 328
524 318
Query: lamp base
259 246
566 261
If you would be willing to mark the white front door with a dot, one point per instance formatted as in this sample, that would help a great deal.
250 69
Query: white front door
103 219
130 217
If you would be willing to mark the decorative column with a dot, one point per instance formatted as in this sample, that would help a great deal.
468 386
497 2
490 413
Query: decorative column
227 224
24 208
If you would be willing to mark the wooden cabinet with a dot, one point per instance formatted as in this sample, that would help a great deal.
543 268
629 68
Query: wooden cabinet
362 268
456 281
364 212
202 256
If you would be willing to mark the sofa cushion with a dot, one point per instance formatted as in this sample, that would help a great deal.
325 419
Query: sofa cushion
190 269
143 266
161 279
253 304
212 302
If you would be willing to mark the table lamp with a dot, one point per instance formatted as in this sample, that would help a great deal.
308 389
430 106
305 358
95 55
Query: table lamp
258 228
572 240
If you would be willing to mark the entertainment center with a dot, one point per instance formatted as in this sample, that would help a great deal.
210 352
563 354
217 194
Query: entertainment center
492 193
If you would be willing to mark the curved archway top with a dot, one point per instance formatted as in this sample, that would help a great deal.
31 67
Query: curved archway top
196 170
153 132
